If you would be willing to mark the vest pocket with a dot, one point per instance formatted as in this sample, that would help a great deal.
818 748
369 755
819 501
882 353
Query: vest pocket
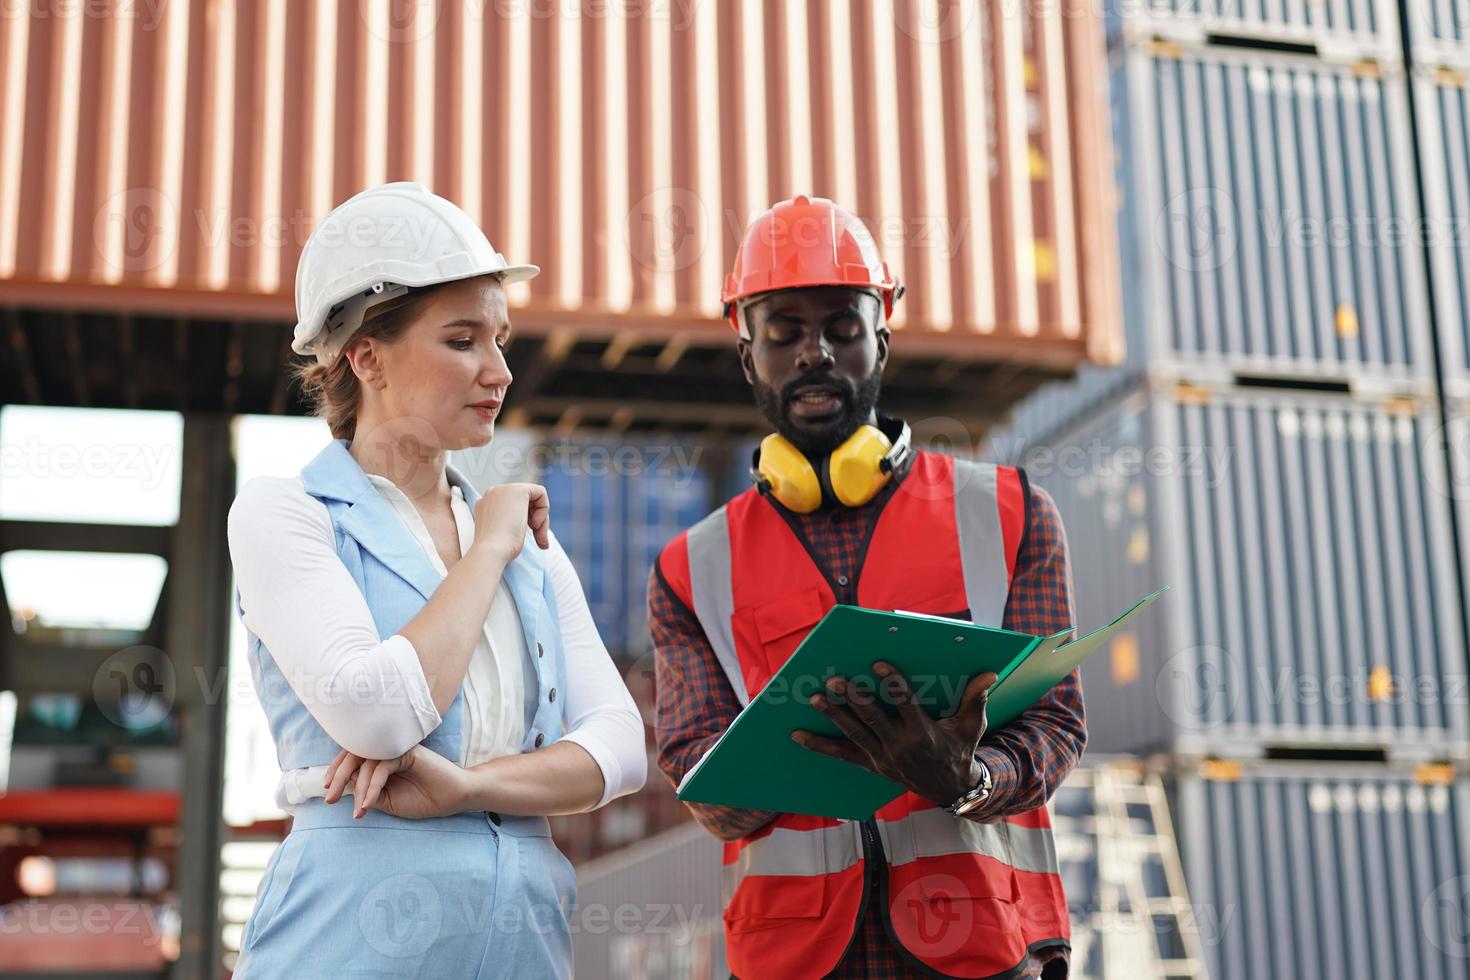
786 878
781 625
956 916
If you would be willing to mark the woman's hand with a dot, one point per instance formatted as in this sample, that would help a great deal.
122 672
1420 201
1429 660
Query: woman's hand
420 783
503 513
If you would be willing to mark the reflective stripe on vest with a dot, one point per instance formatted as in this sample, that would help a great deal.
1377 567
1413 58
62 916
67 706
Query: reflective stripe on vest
714 596
823 851
930 833
982 545
936 833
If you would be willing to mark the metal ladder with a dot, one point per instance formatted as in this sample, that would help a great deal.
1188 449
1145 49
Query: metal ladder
1113 828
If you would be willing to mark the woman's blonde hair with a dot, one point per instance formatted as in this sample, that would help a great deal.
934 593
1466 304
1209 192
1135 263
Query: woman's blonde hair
332 392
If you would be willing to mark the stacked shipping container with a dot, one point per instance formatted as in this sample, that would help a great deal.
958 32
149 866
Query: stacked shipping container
1308 549
1327 870
1274 450
614 505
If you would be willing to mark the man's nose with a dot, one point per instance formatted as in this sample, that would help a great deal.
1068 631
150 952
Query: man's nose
814 352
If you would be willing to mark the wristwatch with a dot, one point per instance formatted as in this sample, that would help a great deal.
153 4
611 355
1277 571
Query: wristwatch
974 797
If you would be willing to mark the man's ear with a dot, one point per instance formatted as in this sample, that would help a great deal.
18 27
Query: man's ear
747 362
882 336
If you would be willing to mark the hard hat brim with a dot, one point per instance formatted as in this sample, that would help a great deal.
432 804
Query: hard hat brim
507 275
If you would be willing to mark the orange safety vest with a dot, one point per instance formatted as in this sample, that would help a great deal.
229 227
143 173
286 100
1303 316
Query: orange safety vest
963 898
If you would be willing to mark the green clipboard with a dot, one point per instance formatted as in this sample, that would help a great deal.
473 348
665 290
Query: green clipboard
756 765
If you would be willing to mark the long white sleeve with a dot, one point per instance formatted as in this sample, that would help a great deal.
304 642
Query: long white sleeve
601 715
370 696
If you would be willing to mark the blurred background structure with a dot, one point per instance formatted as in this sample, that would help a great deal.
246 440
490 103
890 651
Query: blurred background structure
1201 269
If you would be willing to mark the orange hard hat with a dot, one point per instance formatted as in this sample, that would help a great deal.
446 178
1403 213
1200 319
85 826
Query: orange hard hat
807 241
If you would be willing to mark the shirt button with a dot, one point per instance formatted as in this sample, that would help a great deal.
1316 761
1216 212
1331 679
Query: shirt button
842 580
540 650
552 695
539 740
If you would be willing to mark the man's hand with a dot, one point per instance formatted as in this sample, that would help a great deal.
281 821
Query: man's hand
935 759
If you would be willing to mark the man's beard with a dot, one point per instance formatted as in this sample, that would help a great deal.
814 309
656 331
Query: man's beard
857 407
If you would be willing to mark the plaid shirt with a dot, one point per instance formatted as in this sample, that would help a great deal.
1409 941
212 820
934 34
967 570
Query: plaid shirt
1027 759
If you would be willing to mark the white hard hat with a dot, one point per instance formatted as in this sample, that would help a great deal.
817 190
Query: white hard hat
374 245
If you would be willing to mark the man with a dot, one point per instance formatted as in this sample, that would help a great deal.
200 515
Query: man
957 876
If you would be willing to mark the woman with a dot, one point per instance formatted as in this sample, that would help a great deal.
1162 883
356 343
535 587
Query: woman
420 646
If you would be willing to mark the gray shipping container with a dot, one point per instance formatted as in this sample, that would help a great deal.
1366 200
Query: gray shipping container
1306 540
614 505
1355 872
1341 28
1439 33
1267 201
1442 103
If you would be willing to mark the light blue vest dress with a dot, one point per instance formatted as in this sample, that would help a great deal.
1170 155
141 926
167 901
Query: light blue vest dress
470 895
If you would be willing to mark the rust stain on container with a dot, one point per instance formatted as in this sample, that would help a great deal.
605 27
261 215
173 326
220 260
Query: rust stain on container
177 156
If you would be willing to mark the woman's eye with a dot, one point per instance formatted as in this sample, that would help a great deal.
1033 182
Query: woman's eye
503 344
461 344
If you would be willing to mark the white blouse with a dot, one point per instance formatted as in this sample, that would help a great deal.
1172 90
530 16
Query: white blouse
302 603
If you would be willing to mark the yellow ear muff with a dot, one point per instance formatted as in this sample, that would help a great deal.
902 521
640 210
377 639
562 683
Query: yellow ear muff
792 480
855 469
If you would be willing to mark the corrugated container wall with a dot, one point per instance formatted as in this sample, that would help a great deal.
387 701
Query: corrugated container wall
1261 195
1369 28
1355 872
1456 483
1306 541
186 149
1442 101
1439 33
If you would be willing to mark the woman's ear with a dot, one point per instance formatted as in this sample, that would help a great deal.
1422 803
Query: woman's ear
363 357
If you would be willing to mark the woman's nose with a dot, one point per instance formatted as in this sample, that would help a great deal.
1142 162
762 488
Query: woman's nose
495 370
